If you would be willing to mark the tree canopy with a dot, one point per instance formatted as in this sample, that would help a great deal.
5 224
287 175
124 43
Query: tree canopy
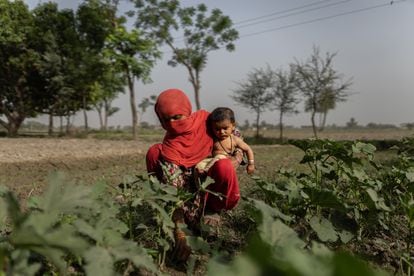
201 32
255 93
320 84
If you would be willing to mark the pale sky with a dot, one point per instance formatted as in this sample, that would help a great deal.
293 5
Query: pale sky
374 41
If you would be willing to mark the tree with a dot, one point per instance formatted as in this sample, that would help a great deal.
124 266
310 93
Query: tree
202 33
19 75
147 102
105 93
57 46
319 84
256 92
352 123
284 95
96 20
134 56
327 101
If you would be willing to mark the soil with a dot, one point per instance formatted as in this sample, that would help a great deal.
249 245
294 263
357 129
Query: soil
26 163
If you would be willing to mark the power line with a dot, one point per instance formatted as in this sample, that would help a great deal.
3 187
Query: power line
294 13
181 38
395 2
280 12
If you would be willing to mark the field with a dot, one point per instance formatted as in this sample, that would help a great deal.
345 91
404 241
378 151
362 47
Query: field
26 163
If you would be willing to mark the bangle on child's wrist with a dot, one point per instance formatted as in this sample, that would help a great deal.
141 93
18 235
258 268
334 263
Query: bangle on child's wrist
251 162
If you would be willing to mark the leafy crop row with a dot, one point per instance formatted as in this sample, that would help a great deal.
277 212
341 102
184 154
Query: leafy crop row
303 223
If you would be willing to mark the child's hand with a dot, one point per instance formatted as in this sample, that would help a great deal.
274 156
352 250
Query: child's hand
199 171
250 168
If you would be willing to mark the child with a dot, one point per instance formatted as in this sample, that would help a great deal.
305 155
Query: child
222 125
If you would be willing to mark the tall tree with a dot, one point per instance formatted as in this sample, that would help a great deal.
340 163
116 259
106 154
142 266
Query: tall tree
201 33
316 78
284 95
19 75
134 56
255 93
57 38
96 20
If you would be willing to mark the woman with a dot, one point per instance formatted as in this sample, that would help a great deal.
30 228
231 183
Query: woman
186 143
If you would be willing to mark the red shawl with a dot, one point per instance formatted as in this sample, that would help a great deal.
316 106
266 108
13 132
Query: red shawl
186 142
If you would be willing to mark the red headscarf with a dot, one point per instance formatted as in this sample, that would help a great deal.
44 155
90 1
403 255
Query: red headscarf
186 142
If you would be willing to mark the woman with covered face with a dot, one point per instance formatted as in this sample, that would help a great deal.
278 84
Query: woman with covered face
187 141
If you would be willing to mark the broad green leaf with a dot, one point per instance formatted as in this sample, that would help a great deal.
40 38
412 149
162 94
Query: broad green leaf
21 264
86 229
169 189
378 201
241 266
319 249
345 236
324 229
41 222
65 198
55 256
325 198
122 249
372 194
360 147
303 263
207 182
269 211
410 175
110 221
359 174
198 244
13 209
345 265
63 238
99 262
278 235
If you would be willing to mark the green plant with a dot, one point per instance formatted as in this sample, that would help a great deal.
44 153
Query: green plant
276 249
70 227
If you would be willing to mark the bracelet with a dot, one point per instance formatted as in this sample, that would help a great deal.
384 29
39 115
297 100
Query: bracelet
251 161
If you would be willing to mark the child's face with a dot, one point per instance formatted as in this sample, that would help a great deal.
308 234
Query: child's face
223 129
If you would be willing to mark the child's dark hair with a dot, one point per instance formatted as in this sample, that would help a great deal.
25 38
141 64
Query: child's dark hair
222 113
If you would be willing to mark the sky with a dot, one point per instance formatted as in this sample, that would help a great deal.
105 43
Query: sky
373 40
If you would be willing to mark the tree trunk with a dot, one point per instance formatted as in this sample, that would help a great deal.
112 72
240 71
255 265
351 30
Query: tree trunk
101 123
133 107
195 81
14 122
85 115
313 124
257 124
14 117
106 114
197 95
323 123
50 128
61 124
281 126
13 128
67 124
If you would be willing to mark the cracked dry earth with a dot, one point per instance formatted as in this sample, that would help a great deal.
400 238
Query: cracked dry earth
26 163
